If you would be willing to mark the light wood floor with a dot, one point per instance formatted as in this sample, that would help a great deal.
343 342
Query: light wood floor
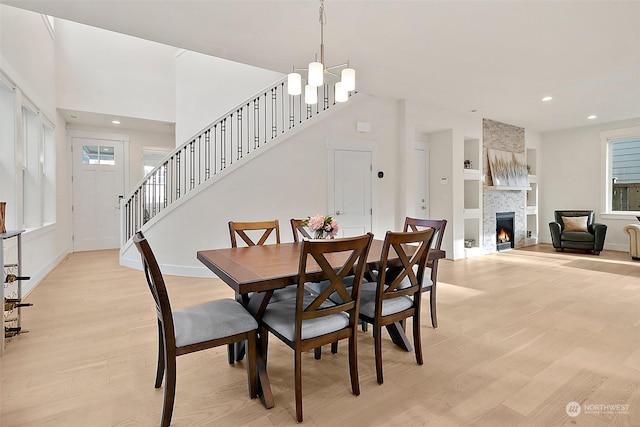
521 334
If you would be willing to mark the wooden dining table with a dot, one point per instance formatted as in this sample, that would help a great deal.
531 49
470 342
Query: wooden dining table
260 270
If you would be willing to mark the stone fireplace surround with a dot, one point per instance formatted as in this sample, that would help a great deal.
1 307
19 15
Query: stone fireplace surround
501 136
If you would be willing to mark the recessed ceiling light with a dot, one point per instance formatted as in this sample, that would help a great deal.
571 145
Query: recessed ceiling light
547 98
591 117
115 122
73 117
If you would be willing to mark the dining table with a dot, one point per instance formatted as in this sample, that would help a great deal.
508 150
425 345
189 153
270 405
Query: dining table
255 272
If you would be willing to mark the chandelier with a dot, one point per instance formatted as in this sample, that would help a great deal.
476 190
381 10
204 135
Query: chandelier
316 72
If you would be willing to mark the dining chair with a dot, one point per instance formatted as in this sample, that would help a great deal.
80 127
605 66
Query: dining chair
253 233
310 321
430 282
196 328
298 230
388 301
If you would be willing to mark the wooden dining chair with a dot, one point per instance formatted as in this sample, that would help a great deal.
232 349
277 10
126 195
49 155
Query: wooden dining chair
430 281
254 232
388 301
196 328
310 321
298 230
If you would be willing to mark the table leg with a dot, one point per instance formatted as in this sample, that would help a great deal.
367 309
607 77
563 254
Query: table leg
398 336
264 386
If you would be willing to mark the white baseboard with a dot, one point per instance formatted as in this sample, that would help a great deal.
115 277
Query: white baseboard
174 270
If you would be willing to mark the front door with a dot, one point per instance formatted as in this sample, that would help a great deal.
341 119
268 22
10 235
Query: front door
350 191
98 184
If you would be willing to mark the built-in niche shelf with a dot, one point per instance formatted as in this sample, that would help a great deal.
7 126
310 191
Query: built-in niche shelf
531 201
472 214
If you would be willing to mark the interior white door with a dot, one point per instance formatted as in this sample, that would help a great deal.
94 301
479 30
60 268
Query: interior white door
351 191
98 183
421 167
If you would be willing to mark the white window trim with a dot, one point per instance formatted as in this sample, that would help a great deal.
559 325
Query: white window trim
606 137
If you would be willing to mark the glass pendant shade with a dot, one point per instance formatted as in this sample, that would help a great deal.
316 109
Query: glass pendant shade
310 94
316 70
294 86
341 94
348 78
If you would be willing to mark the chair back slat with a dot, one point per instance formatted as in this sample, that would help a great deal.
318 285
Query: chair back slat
299 230
412 249
241 229
417 224
156 284
336 258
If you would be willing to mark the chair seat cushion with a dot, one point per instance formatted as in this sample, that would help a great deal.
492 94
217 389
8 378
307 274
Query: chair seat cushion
211 320
577 236
281 317
318 287
390 306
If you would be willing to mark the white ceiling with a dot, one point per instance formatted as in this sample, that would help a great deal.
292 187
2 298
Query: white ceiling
497 57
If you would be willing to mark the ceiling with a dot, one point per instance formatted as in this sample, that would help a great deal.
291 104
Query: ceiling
499 58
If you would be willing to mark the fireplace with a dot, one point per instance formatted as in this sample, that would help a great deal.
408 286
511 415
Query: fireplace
504 230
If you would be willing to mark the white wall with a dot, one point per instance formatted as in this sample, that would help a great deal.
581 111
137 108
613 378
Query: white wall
28 58
208 87
572 179
289 179
105 72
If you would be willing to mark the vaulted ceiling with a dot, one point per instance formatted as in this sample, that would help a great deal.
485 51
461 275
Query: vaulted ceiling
499 58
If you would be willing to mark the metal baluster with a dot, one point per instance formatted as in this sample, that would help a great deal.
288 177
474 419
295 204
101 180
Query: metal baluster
207 154
239 132
223 145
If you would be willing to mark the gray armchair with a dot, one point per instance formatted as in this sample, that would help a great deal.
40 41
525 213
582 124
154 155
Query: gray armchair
576 230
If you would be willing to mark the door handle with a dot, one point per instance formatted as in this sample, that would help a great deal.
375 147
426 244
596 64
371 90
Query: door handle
339 213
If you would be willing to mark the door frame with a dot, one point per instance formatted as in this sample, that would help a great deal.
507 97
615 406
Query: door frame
352 145
73 133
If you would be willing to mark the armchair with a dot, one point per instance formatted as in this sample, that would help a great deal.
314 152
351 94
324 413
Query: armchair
576 230
633 230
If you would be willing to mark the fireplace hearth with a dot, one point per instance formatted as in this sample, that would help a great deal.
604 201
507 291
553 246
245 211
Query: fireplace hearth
504 231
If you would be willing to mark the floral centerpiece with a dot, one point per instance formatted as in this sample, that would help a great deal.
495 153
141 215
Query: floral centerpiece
323 226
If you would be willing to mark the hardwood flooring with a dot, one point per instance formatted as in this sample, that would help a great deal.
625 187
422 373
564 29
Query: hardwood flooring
521 334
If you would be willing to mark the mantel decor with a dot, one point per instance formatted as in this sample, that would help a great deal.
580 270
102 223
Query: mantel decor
508 170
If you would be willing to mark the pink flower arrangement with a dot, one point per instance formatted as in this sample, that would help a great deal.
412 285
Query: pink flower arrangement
322 225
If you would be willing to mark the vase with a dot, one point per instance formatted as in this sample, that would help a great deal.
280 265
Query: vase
3 207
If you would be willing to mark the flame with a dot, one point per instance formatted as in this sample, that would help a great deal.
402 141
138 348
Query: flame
503 236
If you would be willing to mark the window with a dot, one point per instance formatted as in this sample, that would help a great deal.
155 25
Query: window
98 155
622 170
8 153
27 160
625 179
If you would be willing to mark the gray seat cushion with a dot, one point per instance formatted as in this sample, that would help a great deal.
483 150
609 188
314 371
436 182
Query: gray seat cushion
211 320
281 317
318 287
368 301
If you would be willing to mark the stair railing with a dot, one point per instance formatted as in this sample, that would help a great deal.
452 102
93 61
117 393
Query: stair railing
237 134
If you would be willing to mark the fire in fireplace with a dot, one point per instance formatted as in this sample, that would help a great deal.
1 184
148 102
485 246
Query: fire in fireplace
504 230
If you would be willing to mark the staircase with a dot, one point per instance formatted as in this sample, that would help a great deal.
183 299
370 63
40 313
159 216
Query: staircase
225 143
